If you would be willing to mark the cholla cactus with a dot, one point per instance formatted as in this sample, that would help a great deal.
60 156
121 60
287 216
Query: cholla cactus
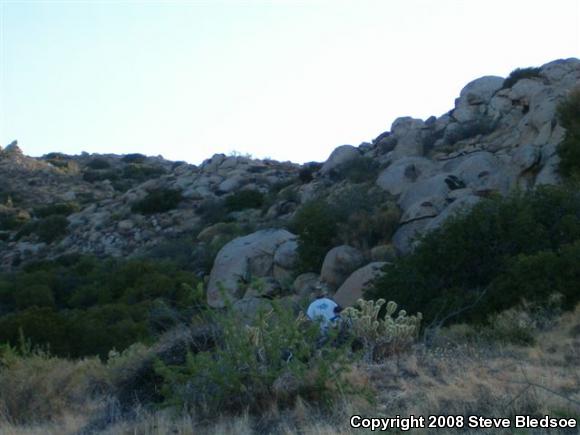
382 336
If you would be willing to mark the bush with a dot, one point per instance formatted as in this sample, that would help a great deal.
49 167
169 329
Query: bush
569 148
140 172
37 387
244 199
274 358
158 201
48 229
520 73
98 164
134 158
212 211
10 221
316 227
63 209
81 305
92 176
305 175
359 170
505 249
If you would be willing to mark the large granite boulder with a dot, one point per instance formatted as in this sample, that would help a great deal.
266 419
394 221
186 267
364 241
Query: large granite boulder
474 97
339 157
352 289
245 258
338 264
409 134
404 172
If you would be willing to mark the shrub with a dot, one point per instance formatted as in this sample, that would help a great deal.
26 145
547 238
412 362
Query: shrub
158 201
305 175
316 227
505 249
140 172
212 211
81 305
98 164
63 209
47 230
37 387
39 295
10 221
569 148
244 199
92 176
134 158
359 170
520 73
275 357
365 229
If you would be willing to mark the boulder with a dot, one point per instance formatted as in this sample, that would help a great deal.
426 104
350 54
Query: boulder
352 289
549 174
409 134
482 172
406 235
306 284
473 99
526 156
426 208
338 264
340 156
386 253
243 259
461 205
404 172
285 259
433 189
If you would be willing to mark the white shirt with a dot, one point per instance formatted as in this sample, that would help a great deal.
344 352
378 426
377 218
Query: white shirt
322 310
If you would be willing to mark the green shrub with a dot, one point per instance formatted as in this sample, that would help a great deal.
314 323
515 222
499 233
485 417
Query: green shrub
48 229
98 164
244 199
305 175
275 357
140 172
316 226
569 148
63 209
37 295
487 256
158 201
93 176
520 73
134 158
100 303
10 221
360 170
212 211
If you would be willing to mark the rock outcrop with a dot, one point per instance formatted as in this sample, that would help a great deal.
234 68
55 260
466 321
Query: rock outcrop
499 136
246 258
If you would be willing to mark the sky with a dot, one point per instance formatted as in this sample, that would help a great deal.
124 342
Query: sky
283 79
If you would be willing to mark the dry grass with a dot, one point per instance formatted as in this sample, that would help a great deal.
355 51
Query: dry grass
465 378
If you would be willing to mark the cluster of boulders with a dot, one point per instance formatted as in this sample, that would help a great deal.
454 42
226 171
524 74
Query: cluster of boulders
250 270
499 136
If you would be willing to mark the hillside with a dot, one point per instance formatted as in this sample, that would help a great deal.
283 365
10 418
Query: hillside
468 218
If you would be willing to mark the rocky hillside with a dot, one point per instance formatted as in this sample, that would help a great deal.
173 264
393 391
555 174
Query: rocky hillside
501 135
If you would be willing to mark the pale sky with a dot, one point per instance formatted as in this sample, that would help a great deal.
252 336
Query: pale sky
290 80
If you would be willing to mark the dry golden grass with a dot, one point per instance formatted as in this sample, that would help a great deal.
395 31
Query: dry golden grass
466 378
